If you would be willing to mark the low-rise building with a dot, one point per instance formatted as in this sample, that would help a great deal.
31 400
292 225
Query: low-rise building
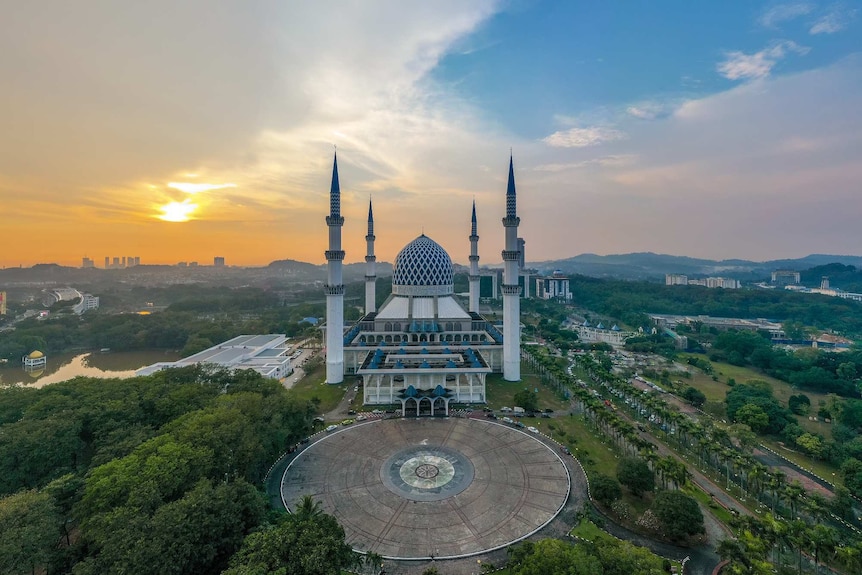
266 354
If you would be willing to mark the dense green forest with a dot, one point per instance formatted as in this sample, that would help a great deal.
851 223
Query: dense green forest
146 475
162 474
630 301
826 372
190 325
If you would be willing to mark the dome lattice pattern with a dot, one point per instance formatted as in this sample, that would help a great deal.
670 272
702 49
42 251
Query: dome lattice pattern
422 268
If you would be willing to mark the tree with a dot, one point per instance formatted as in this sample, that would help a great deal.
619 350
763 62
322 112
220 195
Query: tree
799 404
308 508
852 470
605 489
554 557
30 525
679 514
753 416
527 399
694 396
294 546
635 474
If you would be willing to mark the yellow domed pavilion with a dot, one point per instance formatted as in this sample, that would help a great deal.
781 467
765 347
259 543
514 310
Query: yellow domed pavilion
34 360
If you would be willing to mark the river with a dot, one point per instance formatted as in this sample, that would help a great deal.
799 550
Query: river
64 366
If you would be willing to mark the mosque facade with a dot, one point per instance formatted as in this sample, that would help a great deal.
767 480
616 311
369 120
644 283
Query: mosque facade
422 349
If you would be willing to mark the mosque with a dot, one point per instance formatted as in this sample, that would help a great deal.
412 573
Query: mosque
422 349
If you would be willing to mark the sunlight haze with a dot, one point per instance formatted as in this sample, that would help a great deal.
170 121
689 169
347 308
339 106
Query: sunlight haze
181 131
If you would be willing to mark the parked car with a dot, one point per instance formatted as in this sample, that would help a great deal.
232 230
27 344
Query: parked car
331 428
361 418
507 420
532 429
347 422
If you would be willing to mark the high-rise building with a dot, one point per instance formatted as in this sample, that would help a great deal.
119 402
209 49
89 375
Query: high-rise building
2 303
87 263
675 279
218 261
555 286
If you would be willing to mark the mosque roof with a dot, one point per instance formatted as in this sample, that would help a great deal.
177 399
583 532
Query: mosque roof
423 309
36 354
422 268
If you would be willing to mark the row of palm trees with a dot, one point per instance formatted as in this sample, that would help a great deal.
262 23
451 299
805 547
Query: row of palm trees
709 445
762 543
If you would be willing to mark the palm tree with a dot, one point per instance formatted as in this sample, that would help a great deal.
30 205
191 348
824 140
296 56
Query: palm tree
794 493
823 540
375 560
797 535
308 508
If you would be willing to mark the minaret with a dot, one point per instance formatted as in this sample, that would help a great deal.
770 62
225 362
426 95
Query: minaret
474 264
511 289
370 266
334 287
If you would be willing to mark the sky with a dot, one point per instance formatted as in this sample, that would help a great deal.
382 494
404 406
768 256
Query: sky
180 131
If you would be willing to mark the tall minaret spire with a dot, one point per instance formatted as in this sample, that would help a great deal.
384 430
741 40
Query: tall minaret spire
334 286
474 264
370 266
511 289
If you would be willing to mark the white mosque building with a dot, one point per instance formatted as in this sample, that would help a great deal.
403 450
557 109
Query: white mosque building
422 349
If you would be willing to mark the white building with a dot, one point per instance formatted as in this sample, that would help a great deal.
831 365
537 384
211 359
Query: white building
675 279
422 349
266 354
555 286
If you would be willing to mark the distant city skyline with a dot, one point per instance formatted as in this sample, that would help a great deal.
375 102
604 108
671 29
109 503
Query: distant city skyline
184 132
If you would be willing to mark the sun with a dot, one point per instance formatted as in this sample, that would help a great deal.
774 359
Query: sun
177 211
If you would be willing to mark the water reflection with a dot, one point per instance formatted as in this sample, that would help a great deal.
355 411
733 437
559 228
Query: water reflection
66 366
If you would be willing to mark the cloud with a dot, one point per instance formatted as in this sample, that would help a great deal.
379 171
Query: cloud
777 14
651 110
742 66
600 162
583 137
196 187
834 21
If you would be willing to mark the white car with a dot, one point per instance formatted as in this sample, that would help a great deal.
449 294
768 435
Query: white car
331 428
377 411
507 420
532 429
361 418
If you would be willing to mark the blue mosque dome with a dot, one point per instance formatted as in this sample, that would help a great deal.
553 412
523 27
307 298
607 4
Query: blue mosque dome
422 268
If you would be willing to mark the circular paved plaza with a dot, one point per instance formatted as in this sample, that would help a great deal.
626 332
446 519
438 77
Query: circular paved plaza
417 488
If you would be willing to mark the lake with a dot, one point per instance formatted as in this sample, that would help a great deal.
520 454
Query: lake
65 366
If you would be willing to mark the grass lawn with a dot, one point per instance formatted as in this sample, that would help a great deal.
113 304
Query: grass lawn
313 386
717 390
821 468
501 393
587 530
704 499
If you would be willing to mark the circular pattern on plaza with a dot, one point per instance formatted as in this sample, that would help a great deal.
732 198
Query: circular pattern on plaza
431 487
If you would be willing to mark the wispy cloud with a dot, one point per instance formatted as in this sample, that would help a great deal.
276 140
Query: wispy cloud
651 110
611 161
741 66
833 21
779 13
583 137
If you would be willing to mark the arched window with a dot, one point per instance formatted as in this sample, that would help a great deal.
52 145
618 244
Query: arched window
387 326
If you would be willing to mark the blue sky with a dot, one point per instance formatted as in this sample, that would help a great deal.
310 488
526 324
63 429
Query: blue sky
181 131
